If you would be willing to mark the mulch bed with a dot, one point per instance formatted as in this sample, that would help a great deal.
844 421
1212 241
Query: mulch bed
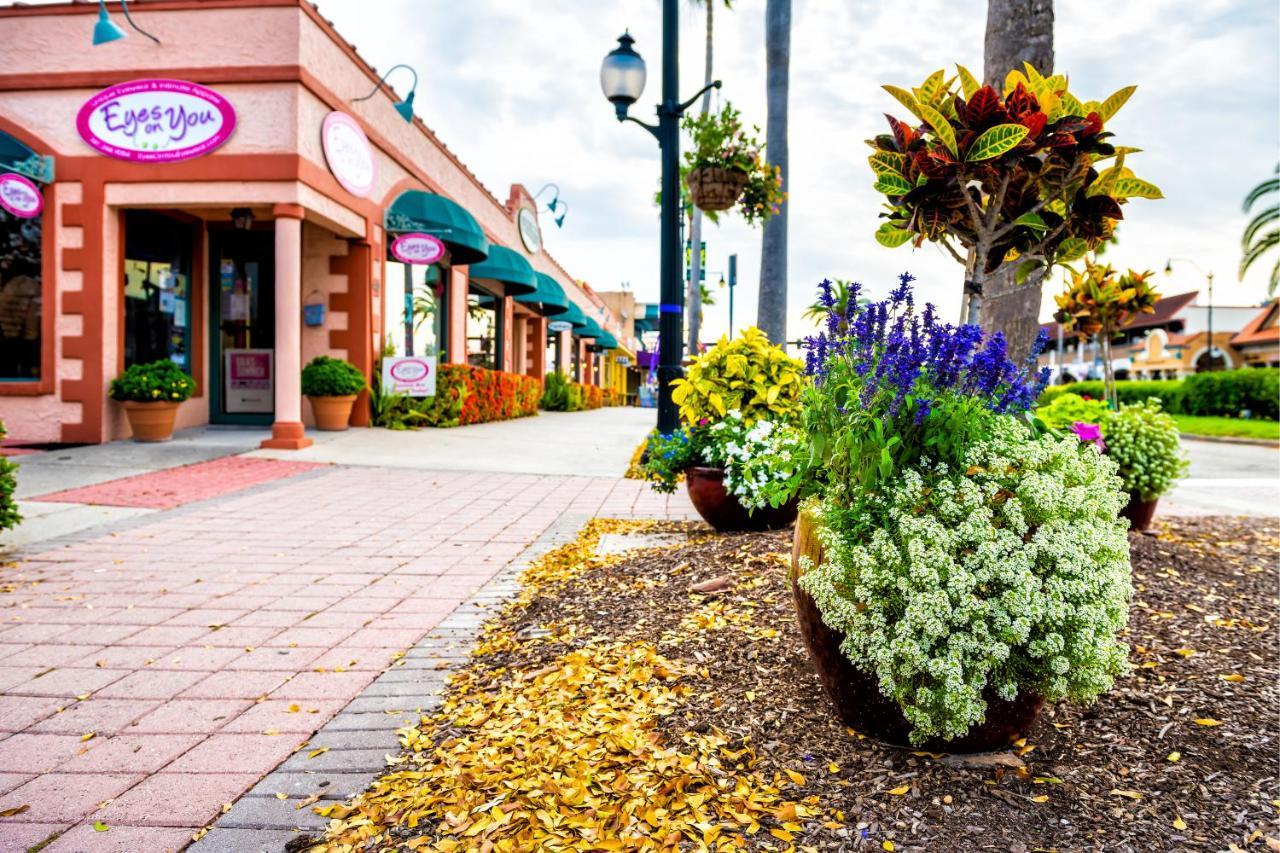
1181 755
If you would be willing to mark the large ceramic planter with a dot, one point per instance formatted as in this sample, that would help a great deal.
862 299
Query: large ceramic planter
332 413
1139 512
151 421
856 695
722 510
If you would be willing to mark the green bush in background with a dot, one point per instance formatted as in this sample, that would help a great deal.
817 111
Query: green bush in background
331 377
1224 392
1127 391
9 515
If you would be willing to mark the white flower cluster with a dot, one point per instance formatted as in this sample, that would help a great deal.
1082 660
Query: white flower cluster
1012 574
763 463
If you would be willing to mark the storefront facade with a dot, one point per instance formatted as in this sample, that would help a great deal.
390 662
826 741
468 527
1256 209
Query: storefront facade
239 222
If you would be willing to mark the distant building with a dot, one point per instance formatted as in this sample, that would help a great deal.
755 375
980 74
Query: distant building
1169 343
1259 341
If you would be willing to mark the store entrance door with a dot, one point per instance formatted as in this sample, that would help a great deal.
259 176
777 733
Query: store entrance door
242 325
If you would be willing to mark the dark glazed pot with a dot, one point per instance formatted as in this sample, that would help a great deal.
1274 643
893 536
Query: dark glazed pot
1139 512
857 697
723 511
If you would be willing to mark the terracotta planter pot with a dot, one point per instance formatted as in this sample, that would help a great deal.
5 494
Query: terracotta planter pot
151 421
856 695
722 509
715 189
1139 512
332 413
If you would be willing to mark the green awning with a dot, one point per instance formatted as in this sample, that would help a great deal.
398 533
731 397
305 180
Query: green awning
508 267
415 210
549 296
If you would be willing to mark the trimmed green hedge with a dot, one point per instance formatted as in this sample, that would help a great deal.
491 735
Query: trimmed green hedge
9 515
1222 392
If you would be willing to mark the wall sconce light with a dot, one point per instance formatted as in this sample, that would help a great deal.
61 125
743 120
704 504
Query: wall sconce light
242 218
105 29
405 107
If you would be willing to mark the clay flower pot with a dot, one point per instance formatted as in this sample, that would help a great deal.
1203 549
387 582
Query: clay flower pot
1139 512
712 188
856 694
332 413
151 421
722 510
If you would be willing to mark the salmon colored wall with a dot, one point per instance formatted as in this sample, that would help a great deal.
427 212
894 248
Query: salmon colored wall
320 283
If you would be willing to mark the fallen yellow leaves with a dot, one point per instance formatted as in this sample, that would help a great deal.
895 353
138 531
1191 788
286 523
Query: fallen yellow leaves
1207 721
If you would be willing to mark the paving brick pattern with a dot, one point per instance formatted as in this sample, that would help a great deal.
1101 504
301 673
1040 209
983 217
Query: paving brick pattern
173 487
204 646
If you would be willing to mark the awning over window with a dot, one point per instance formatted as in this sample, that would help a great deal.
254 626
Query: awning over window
606 340
590 330
507 267
15 156
575 316
548 299
415 210
646 320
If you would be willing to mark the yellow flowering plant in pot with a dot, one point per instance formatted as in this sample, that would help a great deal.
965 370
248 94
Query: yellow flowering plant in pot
151 394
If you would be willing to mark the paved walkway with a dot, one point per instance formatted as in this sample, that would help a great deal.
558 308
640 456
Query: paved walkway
153 671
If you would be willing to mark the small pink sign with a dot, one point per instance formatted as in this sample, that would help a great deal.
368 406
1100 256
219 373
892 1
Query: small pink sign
417 248
349 154
156 121
20 196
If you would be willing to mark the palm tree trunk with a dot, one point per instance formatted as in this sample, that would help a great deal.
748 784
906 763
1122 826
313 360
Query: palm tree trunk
695 229
1017 31
771 314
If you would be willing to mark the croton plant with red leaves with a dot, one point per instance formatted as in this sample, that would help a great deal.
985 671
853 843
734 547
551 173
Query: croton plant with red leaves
1028 175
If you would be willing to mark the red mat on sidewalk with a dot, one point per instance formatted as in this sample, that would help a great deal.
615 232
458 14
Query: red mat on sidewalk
177 486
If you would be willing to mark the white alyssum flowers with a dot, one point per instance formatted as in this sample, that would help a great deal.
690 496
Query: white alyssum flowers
763 463
1010 575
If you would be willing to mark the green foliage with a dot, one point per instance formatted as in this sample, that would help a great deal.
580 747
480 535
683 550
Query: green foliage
1255 242
465 395
1169 391
1067 409
1008 572
721 141
331 377
9 515
764 464
1230 392
556 392
160 381
669 456
1143 440
1232 427
748 374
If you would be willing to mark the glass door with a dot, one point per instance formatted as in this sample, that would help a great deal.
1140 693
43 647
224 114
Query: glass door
242 325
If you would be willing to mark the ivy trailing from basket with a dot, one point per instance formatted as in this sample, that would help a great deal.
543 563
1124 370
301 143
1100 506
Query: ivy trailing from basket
720 141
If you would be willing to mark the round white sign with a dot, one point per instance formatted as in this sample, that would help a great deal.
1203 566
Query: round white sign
349 154
559 326
417 248
19 196
530 234
156 121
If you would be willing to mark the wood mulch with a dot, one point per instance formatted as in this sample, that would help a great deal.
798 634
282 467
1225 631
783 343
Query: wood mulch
1180 755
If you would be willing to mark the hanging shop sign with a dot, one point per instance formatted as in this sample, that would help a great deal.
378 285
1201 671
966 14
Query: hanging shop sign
530 234
559 326
156 121
20 196
250 381
412 376
349 154
417 248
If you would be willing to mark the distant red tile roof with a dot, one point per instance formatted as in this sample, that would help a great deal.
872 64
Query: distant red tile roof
1262 329
1167 310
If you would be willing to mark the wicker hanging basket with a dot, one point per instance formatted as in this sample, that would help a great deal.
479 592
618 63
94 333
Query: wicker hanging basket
712 188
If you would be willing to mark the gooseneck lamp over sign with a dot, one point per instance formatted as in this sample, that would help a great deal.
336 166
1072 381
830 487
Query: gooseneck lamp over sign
105 30
622 79
405 107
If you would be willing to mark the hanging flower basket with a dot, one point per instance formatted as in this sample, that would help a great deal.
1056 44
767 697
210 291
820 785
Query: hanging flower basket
714 189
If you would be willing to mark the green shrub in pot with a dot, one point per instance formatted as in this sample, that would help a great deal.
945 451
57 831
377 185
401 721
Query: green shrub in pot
325 376
158 382
1143 441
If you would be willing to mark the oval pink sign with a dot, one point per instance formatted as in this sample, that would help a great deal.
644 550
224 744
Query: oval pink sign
417 248
410 370
20 196
349 154
156 121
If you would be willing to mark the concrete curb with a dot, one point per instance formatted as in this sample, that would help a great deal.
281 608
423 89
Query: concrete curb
1230 439
361 736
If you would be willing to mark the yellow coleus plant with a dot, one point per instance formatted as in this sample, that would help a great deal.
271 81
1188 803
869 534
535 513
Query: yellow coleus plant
747 373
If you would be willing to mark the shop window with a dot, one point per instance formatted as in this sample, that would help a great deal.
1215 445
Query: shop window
157 289
416 308
20 304
484 329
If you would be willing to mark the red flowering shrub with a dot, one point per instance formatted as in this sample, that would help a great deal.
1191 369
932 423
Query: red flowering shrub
614 397
491 395
592 396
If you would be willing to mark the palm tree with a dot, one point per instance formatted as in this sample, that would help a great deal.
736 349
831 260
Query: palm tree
771 313
695 227
1254 245
1017 31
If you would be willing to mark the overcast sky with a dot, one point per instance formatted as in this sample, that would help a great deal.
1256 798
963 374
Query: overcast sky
512 88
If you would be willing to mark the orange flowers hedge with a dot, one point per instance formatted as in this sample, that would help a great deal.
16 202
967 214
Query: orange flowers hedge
592 396
490 395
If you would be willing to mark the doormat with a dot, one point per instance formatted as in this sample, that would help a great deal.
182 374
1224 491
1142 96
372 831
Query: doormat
187 484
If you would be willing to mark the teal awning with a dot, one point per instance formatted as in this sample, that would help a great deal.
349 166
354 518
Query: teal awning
647 317
548 297
590 330
415 210
606 340
15 156
575 316
508 267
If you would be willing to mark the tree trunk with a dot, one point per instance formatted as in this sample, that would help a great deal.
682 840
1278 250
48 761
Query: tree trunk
1017 31
771 314
695 229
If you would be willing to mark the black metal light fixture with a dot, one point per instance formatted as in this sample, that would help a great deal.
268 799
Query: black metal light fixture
242 218
1208 275
622 79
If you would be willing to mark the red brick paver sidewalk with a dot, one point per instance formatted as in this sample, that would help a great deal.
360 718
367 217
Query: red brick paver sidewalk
186 484
149 676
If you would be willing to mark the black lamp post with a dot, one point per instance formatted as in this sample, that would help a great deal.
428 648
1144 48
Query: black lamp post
622 78
1168 270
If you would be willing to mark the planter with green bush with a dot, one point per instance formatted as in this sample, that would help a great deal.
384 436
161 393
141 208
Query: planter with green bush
9 515
151 394
332 385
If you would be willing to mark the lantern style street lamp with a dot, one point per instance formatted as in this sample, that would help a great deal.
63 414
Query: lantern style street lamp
622 79
1208 274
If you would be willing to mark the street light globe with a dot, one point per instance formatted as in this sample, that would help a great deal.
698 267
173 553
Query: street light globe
622 75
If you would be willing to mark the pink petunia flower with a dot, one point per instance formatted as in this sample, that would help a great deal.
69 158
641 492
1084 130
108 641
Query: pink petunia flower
1091 433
